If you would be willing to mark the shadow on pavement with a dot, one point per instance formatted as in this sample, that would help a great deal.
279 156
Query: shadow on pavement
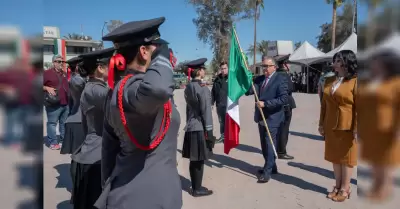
231 164
247 148
64 205
320 171
366 173
300 183
64 178
186 184
306 135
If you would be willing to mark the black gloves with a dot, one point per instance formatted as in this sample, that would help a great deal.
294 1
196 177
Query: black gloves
210 140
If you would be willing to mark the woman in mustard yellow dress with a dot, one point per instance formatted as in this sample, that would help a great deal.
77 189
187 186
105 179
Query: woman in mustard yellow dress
379 121
338 122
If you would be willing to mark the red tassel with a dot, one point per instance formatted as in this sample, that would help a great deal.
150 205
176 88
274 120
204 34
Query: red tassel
69 73
116 60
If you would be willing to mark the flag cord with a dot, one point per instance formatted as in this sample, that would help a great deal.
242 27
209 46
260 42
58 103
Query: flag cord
256 96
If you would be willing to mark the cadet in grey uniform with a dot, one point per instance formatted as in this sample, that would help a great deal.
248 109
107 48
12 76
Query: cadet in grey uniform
87 158
141 124
199 139
74 135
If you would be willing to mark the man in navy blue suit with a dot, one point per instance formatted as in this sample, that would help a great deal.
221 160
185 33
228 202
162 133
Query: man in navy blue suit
272 90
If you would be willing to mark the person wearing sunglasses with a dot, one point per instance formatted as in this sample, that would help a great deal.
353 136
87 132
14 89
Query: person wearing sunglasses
55 83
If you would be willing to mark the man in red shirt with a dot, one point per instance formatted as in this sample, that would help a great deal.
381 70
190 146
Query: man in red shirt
55 82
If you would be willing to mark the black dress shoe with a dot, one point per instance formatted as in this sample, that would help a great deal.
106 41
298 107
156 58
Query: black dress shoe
285 157
201 192
261 171
264 178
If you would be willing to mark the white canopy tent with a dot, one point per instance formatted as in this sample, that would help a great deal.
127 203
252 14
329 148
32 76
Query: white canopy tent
349 44
305 53
391 43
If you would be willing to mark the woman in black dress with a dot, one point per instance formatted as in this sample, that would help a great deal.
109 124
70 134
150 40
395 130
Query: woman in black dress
87 158
74 135
199 139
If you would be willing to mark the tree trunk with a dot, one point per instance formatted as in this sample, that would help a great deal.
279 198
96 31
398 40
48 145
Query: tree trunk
354 16
333 25
255 39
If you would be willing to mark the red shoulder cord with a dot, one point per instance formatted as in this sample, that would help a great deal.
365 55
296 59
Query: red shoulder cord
165 121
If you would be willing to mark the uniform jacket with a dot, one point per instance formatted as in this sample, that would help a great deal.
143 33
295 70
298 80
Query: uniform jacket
92 107
134 177
198 107
342 106
274 95
291 101
76 86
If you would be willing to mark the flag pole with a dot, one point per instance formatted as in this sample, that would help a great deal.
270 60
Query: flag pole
256 96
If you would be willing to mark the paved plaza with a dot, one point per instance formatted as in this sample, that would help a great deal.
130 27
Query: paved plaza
302 182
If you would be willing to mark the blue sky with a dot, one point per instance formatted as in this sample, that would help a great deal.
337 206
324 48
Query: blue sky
280 20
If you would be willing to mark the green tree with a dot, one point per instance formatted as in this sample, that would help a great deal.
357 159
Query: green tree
214 22
344 29
261 49
335 5
113 24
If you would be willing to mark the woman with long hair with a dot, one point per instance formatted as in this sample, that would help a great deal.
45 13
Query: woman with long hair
86 160
379 121
141 123
199 139
338 122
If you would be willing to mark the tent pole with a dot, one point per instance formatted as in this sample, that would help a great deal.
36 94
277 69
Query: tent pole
307 80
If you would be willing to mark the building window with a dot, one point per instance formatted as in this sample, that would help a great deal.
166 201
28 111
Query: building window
48 49
78 49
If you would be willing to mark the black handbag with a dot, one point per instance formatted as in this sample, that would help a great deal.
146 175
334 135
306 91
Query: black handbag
52 100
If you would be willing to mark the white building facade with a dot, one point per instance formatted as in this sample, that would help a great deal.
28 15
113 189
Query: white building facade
70 48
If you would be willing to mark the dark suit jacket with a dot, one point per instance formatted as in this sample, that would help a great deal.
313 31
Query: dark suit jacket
274 95
290 84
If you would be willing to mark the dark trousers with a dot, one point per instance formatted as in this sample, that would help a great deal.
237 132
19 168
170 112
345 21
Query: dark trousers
196 170
284 132
221 111
267 149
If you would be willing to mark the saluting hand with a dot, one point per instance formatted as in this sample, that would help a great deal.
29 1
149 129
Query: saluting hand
260 104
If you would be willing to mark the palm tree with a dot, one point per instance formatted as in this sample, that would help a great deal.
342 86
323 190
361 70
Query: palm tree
335 4
261 49
258 4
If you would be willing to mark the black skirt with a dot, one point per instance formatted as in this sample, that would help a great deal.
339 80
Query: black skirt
87 185
74 137
195 147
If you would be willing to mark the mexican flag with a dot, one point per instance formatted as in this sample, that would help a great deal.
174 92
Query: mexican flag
239 82
59 47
